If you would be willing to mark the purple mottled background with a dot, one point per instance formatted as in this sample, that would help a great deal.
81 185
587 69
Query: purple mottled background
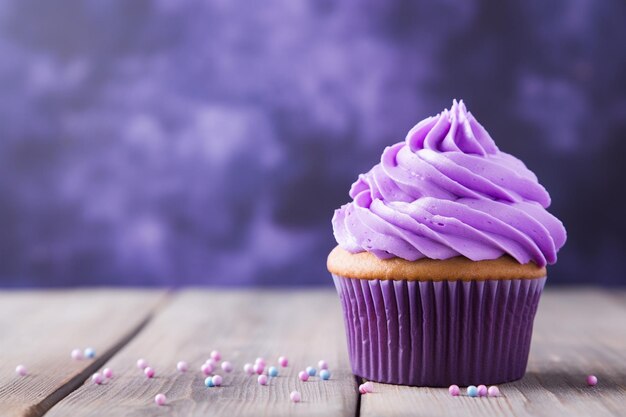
179 142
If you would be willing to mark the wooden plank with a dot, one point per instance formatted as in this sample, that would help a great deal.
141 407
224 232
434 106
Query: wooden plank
305 326
39 330
577 332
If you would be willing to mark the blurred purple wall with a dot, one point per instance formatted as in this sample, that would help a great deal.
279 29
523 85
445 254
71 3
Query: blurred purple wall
177 141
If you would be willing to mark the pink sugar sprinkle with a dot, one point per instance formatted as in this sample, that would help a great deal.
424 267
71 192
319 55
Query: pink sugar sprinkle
217 380
248 368
206 369
97 378
21 370
182 366
259 368
295 396
227 366
160 399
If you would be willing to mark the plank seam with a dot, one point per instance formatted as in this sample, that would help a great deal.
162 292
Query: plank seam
42 407
357 409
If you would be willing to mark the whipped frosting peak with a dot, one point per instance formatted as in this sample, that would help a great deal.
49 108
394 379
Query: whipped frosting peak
448 191
451 130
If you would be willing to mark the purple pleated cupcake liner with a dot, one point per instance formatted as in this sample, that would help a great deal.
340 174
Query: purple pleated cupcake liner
426 333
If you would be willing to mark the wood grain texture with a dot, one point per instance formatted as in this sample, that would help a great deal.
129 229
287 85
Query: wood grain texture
577 332
305 326
39 330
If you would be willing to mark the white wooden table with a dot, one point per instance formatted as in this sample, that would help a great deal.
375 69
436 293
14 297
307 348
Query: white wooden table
577 332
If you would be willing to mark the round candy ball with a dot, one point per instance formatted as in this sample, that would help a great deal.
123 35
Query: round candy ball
206 368
262 379
77 354
142 363
258 368
310 370
322 364
482 390
362 389
284 362
160 399
211 362
149 372
592 380
248 368
325 374
472 391
97 378
90 353
295 396
303 375
272 371
369 386
107 373
182 366
454 390
217 380
21 370
208 381
261 361
227 366
493 391
216 355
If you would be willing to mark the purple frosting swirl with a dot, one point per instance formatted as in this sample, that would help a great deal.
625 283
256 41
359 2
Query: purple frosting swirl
447 191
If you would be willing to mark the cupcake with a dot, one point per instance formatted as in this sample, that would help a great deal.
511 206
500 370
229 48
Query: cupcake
441 258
